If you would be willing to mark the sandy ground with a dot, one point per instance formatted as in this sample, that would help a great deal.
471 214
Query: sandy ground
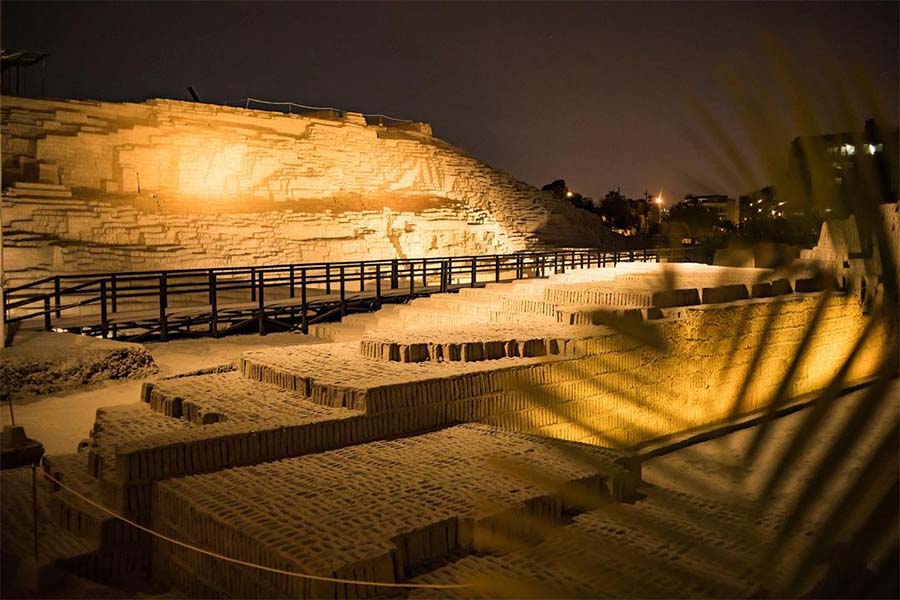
61 420
183 356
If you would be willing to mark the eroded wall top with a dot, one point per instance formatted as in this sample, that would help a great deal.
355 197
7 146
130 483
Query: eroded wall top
173 159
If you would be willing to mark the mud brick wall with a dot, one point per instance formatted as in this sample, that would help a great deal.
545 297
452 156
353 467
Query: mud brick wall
626 397
620 391
168 183
841 249
472 343
605 388
352 513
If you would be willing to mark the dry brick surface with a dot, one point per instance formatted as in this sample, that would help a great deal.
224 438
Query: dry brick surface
369 511
669 544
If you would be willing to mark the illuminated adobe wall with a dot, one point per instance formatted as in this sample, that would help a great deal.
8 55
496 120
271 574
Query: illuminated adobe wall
101 185
840 248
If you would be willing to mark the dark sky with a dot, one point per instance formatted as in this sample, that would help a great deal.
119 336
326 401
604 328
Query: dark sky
601 94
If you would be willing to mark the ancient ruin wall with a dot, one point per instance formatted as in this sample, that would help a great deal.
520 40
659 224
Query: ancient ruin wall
100 186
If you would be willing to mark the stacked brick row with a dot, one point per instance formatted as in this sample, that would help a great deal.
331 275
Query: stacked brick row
307 514
473 343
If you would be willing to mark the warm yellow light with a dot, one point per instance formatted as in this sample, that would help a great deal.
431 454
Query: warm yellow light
659 198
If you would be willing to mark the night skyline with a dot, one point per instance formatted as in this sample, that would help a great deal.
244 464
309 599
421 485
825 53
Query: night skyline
597 94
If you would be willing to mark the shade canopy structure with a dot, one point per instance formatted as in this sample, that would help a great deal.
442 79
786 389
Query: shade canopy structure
12 65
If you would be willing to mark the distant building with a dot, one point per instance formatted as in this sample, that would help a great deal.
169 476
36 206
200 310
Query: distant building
728 209
760 204
827 172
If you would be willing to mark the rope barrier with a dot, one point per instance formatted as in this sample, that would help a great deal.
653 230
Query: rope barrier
384 584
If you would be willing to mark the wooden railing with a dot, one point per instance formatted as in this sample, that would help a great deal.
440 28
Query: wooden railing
100 302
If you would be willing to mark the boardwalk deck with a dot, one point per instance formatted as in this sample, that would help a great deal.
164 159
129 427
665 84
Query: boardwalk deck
217 301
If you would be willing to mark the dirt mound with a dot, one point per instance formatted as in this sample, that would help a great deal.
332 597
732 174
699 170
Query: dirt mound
41 363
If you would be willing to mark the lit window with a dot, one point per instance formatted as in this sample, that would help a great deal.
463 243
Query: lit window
870 148
848 149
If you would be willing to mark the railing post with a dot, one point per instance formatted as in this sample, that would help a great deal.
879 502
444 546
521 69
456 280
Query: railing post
213 305
104 319
424 272
412 279
292 280
114 292
474 274
395 274
631 256
362 276
328 278
444 276
261 303
252 284
497 268
163 305
449 272
519 268
555 263
47 325
645 255
304 317
378 283
57 296
343 292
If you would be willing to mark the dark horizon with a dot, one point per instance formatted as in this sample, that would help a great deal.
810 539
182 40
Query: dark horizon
602 95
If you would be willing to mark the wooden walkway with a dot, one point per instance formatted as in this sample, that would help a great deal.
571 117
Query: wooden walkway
212 302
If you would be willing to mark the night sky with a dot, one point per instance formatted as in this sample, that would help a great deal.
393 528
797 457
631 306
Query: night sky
600 94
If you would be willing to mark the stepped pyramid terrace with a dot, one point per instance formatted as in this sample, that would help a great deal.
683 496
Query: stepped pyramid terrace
457 385
449 300
105 186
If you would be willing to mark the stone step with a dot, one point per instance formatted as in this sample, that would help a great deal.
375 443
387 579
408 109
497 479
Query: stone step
79 517
61 553
38 190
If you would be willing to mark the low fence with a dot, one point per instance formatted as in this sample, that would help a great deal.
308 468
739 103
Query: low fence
323 112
